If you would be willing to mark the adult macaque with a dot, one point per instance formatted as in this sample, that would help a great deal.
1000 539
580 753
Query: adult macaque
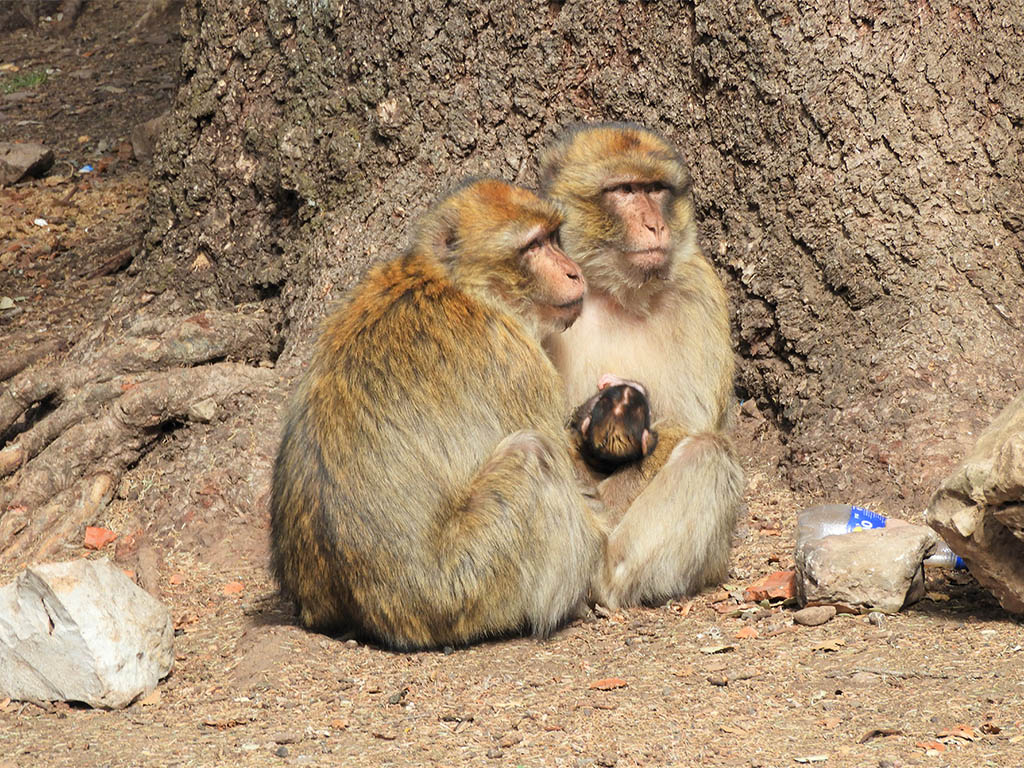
424 494
656 313
613 427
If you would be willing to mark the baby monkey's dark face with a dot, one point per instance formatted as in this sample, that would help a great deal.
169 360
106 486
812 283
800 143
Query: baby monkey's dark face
615 426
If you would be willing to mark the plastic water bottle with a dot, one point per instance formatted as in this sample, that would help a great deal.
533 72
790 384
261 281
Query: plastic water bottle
832 519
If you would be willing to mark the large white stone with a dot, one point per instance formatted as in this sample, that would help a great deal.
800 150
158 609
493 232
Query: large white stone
81 631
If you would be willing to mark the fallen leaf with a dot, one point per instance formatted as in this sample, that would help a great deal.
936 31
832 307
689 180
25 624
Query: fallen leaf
683 671
937 597
829 722
222 725
717 648
98 538
233 587
607 684
958 732
176 578
990 728
931 745
747 633
6 302
719 596
339 724
770 532
829 646
682 609
812 759
4 704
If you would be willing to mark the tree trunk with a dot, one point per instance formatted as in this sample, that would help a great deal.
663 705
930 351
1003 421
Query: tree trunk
856 172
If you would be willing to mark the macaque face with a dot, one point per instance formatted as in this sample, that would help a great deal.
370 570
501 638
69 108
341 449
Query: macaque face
557 281
641 207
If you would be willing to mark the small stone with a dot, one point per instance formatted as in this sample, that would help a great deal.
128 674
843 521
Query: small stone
281 751
20 161
877 618
397 696
98 538
780 585
814 615
494 753
608 760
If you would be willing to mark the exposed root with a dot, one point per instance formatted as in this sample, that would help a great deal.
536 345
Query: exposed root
111 405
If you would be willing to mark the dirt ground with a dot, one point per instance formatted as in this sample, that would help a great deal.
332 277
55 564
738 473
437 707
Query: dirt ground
711 681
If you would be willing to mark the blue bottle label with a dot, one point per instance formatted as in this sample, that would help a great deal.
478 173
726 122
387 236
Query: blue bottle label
864 520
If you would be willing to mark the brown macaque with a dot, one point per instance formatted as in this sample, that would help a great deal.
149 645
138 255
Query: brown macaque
613 427
424 494
655 313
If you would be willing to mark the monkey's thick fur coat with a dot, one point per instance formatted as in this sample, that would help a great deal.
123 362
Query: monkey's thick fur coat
423 494
669 330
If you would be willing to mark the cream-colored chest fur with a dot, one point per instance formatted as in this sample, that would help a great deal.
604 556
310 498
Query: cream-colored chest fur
681 372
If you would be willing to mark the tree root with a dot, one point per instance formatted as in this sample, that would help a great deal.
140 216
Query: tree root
109 409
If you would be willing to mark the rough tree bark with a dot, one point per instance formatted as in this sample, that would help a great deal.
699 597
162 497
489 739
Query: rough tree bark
856 171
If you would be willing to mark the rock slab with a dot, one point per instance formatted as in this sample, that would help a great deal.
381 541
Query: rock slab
18 161
877 570
81 631
979 508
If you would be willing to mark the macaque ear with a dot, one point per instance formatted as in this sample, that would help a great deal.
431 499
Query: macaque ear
443 236
648 442
584 426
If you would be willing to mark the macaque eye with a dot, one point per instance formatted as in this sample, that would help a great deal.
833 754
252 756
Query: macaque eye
533 245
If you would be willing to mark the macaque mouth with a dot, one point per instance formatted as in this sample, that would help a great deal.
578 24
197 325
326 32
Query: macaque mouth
574 304
649 259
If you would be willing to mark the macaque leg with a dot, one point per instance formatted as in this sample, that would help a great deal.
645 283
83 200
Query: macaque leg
674 539
525 500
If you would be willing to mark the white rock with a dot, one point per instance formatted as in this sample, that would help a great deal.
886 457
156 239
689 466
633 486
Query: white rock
81 631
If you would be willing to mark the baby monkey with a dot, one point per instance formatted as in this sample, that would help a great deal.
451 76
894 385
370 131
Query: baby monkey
613 427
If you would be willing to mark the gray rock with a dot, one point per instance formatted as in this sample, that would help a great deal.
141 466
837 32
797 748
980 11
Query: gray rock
81 631
979 509
145 135
18 161
814 615
868 570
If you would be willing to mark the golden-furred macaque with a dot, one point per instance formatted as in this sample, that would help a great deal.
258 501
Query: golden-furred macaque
613 427
424 494
656 313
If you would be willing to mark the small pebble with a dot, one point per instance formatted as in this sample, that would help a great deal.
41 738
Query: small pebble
281 751
814 615
494 753
877 618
